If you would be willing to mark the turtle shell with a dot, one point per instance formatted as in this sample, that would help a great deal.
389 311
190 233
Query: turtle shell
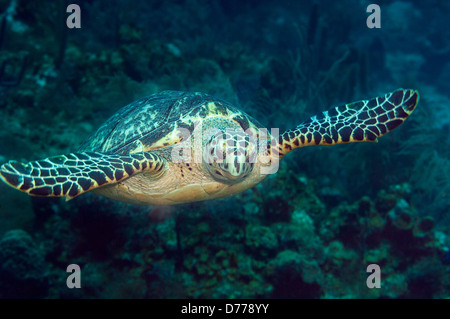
149 123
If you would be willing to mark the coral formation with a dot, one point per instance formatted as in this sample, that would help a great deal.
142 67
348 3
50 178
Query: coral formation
23 269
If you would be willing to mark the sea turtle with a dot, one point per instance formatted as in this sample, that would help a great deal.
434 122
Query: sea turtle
176 147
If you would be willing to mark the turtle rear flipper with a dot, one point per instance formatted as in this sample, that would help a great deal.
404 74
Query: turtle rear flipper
362 121
76 173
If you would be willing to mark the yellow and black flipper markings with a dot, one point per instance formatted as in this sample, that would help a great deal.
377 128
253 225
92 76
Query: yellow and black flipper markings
76 173
362 121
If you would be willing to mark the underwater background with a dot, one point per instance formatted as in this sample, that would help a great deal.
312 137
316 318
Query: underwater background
309 231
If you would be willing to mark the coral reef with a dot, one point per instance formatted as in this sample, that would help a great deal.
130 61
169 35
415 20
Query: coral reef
136 252
23 270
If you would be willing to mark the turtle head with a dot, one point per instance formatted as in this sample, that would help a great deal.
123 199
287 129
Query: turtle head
229 156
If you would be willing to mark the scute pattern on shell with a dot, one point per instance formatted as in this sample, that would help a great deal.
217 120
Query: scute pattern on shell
146 120
149 122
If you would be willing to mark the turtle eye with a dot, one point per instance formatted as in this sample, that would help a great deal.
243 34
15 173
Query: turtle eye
230 156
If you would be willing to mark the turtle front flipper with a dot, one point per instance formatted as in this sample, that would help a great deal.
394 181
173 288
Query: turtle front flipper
362 121
76 173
